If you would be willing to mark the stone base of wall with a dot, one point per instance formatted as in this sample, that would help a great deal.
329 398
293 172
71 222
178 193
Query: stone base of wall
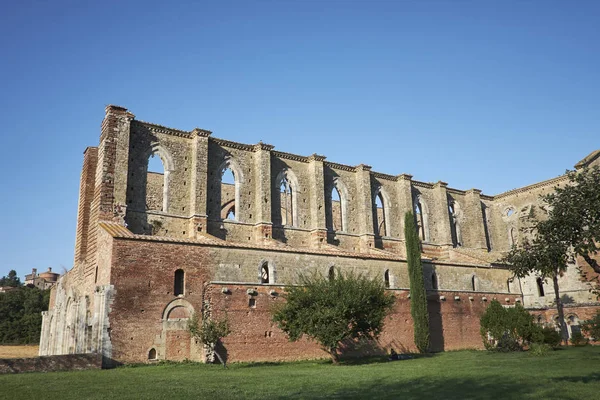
68 362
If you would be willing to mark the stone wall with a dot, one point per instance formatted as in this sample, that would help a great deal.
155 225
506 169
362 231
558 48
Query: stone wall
68 362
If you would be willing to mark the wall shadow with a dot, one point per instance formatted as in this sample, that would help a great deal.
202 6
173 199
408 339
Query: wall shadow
434 307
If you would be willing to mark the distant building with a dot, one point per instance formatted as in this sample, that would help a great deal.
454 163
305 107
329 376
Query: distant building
43 281
4 289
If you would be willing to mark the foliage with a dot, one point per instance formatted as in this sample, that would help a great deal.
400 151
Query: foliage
508 329
418 295
209 332
330 311
551 337
592 327
20 315
539 349
577 339
11 280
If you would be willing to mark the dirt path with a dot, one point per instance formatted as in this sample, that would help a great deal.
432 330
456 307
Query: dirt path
18 351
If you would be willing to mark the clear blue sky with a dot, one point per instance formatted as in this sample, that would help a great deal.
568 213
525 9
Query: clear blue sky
486 94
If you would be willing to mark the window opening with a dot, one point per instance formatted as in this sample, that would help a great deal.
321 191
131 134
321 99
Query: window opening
336 210
264 274
434 281
540 287
331 273
380 215
152 354
386 278
179 282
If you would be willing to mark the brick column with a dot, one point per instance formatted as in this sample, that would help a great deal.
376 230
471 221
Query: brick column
364 207
472 229
199 179
86 196
317 201
263 228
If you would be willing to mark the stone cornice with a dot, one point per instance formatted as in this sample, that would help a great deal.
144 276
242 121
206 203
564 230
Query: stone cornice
386 177
233 145
289 156
316 157
531 187
262 146
137 124
342 167
426 185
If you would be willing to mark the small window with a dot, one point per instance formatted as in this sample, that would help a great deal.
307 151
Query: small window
331 273
473 283
386 278
434 281
252 302
152 354
179 283
540 287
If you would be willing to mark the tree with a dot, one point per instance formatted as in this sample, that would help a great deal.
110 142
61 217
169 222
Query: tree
20 315
330 311
418 295
11 280
572 227
209 332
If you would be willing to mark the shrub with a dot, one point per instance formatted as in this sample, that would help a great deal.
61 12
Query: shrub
551 337
508 329
539 349
577 339
592 327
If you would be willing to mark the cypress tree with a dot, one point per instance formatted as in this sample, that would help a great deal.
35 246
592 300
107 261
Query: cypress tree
418 296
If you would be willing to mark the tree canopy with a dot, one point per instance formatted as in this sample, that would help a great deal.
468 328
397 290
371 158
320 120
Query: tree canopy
345 306
209 332
20 315
11 280
572 227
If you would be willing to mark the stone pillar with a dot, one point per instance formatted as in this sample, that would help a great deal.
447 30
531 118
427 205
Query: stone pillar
263 227
45 334
473 231
199 181
318 224
439 220
405 200
364 207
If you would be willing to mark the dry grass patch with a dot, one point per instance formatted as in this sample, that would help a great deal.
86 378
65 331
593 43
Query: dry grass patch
19 351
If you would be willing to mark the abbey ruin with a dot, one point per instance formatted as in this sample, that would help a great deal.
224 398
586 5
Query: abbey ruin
152 248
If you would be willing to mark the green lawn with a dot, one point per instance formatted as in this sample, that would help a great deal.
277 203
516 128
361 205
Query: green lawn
565 374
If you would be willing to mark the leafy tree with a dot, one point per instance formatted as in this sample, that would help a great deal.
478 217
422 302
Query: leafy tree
508 329
418 295
331 311
209 332
20 315
592 327
11 280
572 227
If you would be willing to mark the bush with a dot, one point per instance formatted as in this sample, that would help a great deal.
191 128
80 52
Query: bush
508 329
539 349
592 327
577 339
551 337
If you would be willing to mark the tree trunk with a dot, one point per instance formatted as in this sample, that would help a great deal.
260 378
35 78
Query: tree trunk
592 262
220 358
334 355
561 313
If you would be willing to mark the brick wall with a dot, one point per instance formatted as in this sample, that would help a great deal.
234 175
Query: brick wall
68 362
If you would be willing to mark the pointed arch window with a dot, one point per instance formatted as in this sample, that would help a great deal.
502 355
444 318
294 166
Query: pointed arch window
422 218
381 213
454 214
264 273
229 180
157 181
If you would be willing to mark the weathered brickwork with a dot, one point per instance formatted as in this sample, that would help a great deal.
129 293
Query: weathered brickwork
153 248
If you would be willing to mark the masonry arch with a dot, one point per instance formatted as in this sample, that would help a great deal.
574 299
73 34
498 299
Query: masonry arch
422 217
267 272
285 207
455 214
381 212
157 150
338 204
230 208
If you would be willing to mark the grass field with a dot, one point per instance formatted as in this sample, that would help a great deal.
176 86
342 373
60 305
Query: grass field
18 351
565 374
